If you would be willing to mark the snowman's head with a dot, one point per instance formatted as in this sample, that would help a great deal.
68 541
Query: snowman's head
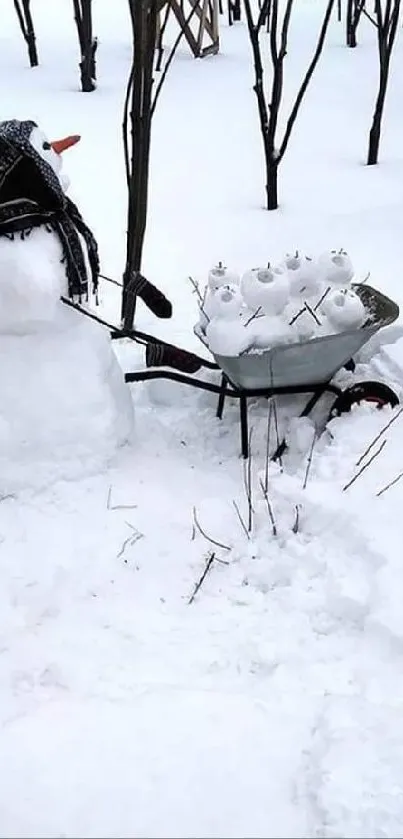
30 164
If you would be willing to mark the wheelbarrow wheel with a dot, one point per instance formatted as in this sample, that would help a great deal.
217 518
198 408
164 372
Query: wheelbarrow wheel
376 392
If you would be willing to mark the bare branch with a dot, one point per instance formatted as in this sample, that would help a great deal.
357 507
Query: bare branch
389 485
365 466
306 80
210 560
269 509
243 525
378 436
203 533
309 461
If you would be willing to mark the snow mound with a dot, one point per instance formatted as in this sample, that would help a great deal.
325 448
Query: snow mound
65 407
199 769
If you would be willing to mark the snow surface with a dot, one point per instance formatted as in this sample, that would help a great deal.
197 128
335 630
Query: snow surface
272 705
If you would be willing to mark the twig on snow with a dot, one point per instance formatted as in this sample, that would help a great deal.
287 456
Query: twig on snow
378 436
266 470
210 559
309 461
295 527
270 509
390 484
109 506
203 533
363 468
247 479
243 525
131 540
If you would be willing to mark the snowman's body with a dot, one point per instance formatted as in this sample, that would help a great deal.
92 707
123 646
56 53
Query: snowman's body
64 405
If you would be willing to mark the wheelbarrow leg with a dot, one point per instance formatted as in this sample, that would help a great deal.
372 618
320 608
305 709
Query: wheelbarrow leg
221 398
243 406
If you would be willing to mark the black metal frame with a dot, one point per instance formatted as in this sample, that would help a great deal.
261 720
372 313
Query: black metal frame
227 389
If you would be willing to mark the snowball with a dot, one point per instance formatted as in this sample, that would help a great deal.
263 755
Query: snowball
229 338
265 288
305 276
270 331
344 309
337 267
220 275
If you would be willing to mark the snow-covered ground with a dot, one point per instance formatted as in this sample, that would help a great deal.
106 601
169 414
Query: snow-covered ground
272 704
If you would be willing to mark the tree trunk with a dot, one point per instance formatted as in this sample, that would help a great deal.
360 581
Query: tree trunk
271 185
88 44
27 29
351 29
375 132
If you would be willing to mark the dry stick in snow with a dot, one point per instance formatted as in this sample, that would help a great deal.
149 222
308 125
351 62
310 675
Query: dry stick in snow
210 559
247 479
270 509
378 436
390 484
309 461
363 468
200 297
110 506
203 533
269 111
295 527
266 470
243 525
131 540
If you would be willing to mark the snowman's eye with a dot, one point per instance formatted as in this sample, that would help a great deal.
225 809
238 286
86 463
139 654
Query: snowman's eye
46 146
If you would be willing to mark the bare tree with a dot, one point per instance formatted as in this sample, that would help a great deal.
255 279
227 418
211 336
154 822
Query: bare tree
269 111
140 103
354 10
22 7
88 44
385 18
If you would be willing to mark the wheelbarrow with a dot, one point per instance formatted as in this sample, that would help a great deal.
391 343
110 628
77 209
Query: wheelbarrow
300 368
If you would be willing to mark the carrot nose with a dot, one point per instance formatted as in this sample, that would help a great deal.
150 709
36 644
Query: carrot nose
60 146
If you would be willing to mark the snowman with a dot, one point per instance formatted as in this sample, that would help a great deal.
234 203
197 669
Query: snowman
64 408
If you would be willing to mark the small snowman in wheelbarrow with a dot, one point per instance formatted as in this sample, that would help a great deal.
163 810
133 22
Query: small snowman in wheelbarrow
64 405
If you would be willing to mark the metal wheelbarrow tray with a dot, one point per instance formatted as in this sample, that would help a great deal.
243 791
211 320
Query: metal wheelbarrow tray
311 362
